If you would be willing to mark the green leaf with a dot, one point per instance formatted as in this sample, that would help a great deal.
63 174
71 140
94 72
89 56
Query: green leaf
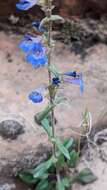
61 162
54 70
66 182
27 177
59 184
73 158
42 185
40 170
68 143
62 184
61 147
40 116
86 176
56 18
47 127
52 18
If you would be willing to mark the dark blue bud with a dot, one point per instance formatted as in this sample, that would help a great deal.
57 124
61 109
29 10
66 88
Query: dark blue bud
56 81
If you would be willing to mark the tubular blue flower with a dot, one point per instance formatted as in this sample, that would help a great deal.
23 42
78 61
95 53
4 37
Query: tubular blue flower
38 27
26 4
76 80
29 43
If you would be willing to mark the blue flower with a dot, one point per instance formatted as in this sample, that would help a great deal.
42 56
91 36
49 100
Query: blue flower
78 80
37 25
36 60
35 97
56 81
36 52
29 43
26 4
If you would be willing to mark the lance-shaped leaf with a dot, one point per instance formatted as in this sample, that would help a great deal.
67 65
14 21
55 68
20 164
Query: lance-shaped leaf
27 177
59 185
74 156
47 127
54 18
41 170
86 176
61 147
68 143
54 70
40 116
62 184
42 185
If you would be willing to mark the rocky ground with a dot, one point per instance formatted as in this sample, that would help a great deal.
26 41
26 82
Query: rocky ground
18 78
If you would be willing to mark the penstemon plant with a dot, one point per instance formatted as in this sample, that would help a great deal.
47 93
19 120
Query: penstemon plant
54 173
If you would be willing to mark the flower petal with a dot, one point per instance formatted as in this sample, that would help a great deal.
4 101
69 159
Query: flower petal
36 61
76 81
26 4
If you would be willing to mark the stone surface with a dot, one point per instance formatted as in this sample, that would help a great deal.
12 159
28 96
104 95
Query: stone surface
11 129
7 186
98 165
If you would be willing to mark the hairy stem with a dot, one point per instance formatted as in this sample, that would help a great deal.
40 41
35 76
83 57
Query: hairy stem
49 13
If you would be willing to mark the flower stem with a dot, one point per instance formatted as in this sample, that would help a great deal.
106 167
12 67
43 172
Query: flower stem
49 13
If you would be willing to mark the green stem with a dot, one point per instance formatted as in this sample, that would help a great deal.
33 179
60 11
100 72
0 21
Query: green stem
49 13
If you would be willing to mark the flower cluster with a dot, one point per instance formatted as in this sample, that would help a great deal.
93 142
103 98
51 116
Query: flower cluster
34 49
36 54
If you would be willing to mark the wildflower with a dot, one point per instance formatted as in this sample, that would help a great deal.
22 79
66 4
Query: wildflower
56 81
36 52
29 43
78 80
37 95
26 4
36 60
38 27
38 56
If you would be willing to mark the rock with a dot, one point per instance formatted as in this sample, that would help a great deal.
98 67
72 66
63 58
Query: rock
19 148
11 129
99 131
98 166
7 186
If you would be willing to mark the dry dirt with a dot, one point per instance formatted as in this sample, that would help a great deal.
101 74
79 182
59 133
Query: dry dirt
18 78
